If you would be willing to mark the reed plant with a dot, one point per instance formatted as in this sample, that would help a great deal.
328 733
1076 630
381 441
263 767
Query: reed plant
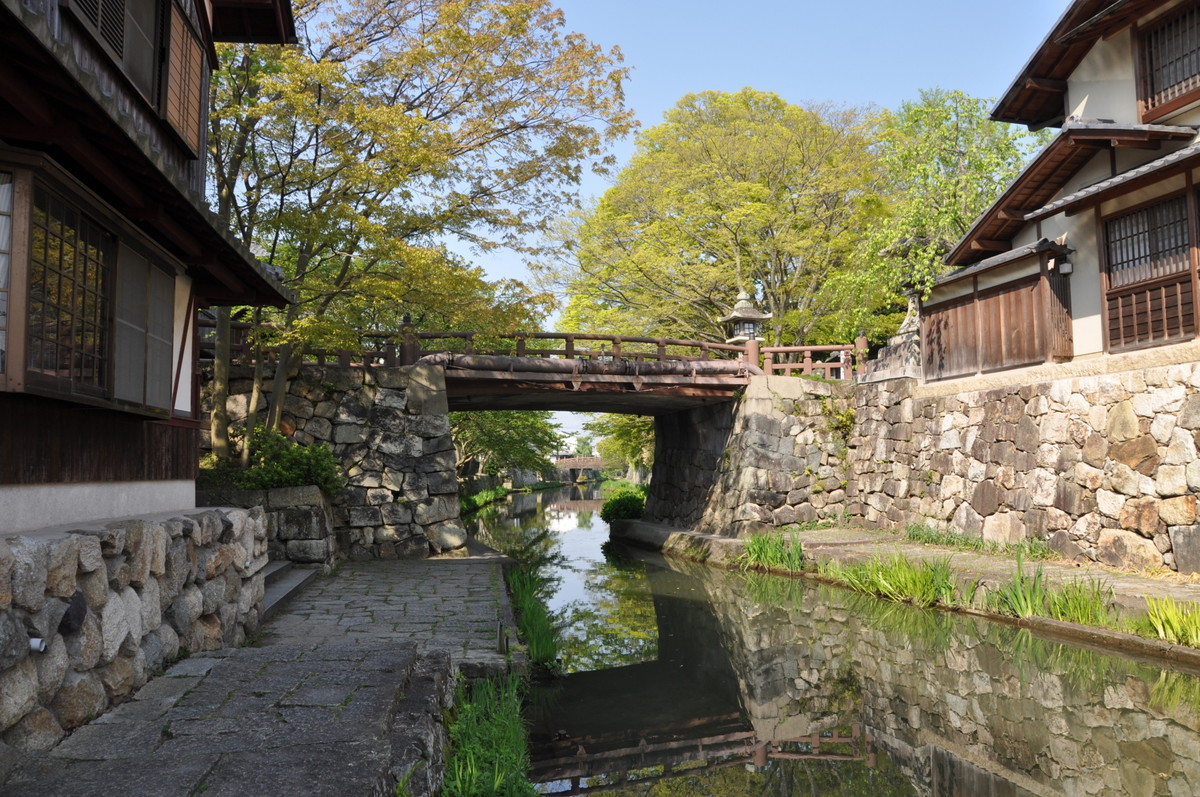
1023 596
922 583
1169 621
488 754
773 550
534 622
1084 601
469 504
1028 548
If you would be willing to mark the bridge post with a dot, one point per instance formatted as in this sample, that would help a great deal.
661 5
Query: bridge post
751 352
410 346
860 352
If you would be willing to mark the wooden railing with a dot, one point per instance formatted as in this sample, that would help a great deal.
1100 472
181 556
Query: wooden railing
407 345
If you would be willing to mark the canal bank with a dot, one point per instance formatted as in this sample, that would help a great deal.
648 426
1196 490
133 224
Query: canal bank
971 569
343 694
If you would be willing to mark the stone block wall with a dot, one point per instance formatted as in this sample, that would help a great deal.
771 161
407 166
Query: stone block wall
299 524
1104 467
390 429
778 456
114 603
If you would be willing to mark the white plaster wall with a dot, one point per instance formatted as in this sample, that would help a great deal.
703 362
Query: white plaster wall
1103 86
25 507
1097 169
1170 185
182 342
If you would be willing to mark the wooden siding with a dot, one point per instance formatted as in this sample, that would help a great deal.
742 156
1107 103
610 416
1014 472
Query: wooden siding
1022 323
185 81
1152 312
43 441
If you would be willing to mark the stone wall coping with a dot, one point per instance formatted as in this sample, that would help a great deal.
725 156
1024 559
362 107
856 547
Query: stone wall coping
101 524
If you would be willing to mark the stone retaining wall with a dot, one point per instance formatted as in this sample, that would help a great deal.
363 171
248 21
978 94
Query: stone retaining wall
299 524
390 429
1104 467
113 603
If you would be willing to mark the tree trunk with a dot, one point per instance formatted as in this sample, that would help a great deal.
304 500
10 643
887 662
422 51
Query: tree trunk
290 357
255 395
219 424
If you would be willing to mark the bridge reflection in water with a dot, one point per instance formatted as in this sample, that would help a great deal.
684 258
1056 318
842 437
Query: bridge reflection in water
776 687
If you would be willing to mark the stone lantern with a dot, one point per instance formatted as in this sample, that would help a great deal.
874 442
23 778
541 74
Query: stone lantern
746 324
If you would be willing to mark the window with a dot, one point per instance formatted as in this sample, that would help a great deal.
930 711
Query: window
1149 296
70 259
6 235
184 100
1170 62
143 331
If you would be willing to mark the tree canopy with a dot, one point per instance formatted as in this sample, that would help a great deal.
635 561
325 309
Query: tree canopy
524 440
732 191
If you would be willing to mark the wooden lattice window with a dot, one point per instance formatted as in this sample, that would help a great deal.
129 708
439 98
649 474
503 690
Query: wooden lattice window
70 261
1149 296
6 237
1170 63
183 97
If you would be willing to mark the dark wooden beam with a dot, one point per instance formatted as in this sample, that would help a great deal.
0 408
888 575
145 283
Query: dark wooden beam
1046 84
989 245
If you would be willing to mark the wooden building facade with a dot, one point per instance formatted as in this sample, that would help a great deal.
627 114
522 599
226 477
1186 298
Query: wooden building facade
1094 248
107 249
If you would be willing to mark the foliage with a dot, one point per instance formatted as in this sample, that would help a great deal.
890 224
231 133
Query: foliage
394 128
923 583
732 191
523 440
624 505
1029 547
610 487
1083 601
618 625
529 591
488 749
1171 622
773 550
1022 596
623 441
841 422
944 163
468 504
277 462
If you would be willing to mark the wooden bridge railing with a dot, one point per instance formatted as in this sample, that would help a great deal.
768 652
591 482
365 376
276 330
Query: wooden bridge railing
407 345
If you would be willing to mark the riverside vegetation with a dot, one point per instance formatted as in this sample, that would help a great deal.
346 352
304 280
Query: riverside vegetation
929 583
488 752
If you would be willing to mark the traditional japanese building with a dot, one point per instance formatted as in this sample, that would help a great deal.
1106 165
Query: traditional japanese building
1093 250
107 249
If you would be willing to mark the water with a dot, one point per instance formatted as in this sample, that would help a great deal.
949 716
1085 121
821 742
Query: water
685 680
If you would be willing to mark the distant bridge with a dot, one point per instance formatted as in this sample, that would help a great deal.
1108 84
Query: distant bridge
577 371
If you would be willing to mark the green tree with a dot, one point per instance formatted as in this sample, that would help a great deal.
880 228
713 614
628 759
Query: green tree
944 163
731 191
396 125
623 441
524 440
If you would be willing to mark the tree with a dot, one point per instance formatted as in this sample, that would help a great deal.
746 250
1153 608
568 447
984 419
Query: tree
944 163
523 440
732 191
394 126
623 441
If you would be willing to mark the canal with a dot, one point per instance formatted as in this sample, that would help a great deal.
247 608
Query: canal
677 679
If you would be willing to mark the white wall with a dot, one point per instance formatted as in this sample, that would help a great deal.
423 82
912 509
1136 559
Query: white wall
1103 86
26 507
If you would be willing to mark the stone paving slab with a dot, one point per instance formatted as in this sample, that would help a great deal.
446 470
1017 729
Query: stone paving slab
343 696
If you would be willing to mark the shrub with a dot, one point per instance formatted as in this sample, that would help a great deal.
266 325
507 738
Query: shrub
278 462
623 505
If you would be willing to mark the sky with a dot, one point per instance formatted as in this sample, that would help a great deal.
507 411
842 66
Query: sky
853 52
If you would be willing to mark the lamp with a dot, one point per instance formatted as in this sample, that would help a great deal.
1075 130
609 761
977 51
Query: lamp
746 320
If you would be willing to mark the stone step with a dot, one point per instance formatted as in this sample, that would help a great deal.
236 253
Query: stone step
275 570
281 588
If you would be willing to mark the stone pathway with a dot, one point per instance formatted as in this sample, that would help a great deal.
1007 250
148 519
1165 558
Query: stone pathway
344 696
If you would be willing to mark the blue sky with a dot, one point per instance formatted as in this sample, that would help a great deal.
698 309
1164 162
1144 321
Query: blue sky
853 52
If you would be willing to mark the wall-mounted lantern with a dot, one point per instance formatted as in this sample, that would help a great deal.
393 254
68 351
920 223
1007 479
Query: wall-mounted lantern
746 320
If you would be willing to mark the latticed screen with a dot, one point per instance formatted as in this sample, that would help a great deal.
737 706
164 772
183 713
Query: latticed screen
70 262
1171 58
1148 243
6 229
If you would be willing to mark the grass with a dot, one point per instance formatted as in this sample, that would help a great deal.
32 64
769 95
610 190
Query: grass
1022 596
488 755
1028 548
923 583
773 550
1086 601
534 622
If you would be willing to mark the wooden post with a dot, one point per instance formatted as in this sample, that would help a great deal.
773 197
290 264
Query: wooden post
760 754
616 350
860 352
807 362
662 350
768 362
410 346
751 352
389 353
569 348
520 344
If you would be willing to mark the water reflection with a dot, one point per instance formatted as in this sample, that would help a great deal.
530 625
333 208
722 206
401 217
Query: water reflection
689 680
